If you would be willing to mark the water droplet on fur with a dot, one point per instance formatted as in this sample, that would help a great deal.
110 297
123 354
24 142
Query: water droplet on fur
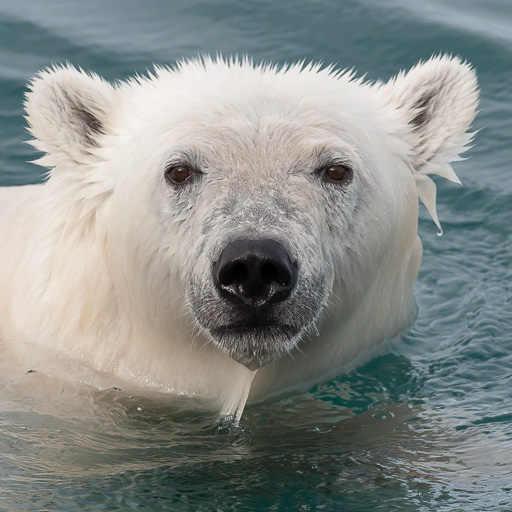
440 232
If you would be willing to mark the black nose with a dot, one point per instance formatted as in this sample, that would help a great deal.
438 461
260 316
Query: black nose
255 272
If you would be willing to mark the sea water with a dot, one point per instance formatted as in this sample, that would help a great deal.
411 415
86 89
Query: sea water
428 426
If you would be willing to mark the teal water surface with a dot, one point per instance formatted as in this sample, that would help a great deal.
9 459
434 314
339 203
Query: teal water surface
426 427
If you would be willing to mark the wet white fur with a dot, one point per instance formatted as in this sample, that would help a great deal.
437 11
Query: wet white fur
96 262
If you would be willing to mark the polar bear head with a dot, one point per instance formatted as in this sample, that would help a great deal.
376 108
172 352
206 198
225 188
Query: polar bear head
253 206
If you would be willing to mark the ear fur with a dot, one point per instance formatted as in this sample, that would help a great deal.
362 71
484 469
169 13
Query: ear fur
438 101
66 111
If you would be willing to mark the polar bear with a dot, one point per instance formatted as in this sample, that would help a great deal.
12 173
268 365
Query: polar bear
222 229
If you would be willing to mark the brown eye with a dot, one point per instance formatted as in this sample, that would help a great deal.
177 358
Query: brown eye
179 174
337 173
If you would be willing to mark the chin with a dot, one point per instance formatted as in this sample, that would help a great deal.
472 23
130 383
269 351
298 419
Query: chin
258 345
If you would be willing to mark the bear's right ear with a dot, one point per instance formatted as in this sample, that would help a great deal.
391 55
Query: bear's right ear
66 112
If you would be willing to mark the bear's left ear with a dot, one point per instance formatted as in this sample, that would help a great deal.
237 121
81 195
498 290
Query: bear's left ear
437 100
67 110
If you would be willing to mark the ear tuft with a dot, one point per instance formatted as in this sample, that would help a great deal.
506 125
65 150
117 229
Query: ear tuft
67 110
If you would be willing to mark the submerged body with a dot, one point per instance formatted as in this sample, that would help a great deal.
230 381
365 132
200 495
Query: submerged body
225 230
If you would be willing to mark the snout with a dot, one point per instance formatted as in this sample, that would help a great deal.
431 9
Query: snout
255 273
257 301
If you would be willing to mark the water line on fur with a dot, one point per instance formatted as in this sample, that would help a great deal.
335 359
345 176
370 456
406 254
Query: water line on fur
232 411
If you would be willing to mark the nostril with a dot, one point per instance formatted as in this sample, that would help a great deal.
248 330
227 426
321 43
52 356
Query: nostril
233 273
272 274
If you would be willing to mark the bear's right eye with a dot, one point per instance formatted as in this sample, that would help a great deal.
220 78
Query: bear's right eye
179 174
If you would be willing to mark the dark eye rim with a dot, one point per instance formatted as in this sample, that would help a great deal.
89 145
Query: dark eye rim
177 183
348 173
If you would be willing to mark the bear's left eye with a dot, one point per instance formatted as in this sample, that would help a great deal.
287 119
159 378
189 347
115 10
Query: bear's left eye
338 173
179 174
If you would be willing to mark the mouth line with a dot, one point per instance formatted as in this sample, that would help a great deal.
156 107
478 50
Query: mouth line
245 327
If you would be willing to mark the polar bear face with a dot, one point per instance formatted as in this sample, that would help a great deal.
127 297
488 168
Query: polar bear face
255 207
268 213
